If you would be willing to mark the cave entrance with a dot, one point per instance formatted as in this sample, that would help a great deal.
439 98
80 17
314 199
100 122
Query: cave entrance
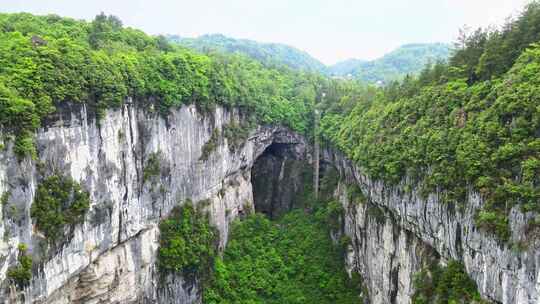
280 178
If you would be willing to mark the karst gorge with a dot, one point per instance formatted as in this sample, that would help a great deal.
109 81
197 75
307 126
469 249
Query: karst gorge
136 169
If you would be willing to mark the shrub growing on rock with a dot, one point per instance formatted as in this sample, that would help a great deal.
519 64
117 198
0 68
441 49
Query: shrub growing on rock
188 243
444 285
21 274
152 167
59 202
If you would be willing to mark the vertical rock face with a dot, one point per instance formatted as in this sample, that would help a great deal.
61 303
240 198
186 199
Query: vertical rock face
384 254
405 230
110 257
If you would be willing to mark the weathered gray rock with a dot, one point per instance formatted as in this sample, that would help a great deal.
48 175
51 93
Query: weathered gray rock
110 258
384 254
416 228
277 179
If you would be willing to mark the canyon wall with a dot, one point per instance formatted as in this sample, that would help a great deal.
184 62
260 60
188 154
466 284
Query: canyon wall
111 256
395 232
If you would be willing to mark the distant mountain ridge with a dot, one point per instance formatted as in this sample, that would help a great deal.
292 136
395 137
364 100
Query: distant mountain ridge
407 59
267 53
346 67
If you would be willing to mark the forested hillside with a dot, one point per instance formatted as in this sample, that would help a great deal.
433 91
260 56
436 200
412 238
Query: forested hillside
49 62
407 59
346 68
269 54
307 267
46 61
471 124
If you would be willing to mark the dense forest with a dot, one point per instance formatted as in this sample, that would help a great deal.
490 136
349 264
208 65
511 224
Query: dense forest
469 124
408 59
472 123
269 54
48 60
306 267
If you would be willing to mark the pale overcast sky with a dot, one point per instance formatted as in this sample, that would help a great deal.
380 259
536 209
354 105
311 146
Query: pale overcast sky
330 30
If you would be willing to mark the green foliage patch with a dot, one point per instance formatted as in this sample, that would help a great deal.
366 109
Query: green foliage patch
328 182
406 60
211 145
47 61
152 167
188 243
470 124
445 285
292 260
21 274
236 134
269 54
4 198
59 202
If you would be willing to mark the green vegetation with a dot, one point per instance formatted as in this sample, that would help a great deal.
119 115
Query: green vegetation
21 274
188 243
469 124
495 222
458 126
11 210
291 260
152 168
4 198
333 214
46 61
445 285
269 54
236 134
346 67
406 60
211 145
24 145
328 182
355 194
59 202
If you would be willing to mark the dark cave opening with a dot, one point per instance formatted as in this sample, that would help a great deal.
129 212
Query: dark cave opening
278 177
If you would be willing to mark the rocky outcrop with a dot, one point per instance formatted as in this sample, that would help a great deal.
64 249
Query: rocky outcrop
383 253
405 230
110 257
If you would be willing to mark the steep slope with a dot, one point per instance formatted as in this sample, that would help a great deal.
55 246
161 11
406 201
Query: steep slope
397 234
110 254
407 59
119 236
109 136
270 54
463 136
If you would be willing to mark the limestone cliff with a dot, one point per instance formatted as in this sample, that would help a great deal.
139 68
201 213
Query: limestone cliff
395 232
110 257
